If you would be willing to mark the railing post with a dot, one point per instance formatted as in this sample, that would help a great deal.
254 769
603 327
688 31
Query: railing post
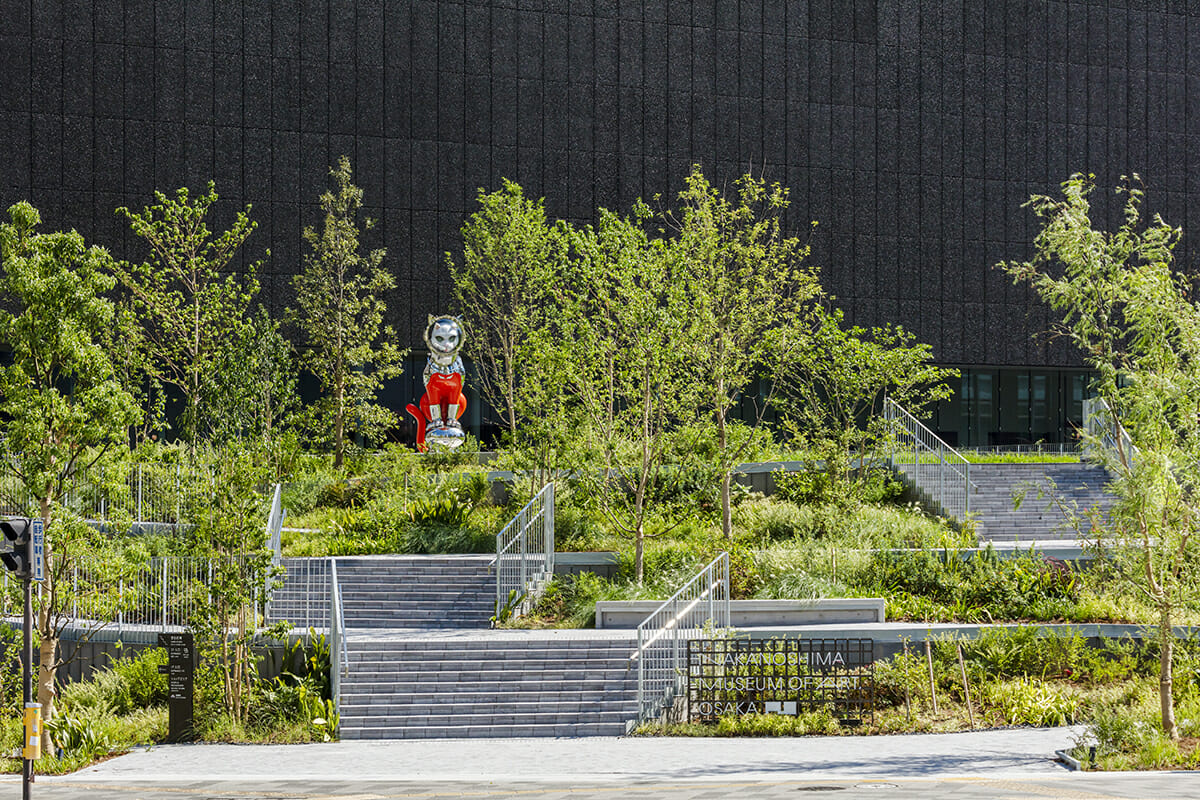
335 635
522 537
966 490
548 523
641 689
728 591
712 590
164 592
139 493
499 570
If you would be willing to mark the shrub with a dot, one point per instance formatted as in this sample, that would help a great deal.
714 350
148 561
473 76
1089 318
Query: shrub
1026 701
1023 587
768 520
873 485
901 672
576 528
1026 651
145 685
820 722
78 737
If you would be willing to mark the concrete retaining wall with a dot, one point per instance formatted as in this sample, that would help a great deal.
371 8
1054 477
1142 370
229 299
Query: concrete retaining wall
755 613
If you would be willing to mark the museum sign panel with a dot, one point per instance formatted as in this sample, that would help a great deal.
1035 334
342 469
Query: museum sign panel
733 677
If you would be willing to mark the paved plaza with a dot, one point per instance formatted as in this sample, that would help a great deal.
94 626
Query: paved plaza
985 764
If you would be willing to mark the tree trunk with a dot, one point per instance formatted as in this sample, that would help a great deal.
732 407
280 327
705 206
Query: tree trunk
638 551
726 476
339 427
47 669
1166 679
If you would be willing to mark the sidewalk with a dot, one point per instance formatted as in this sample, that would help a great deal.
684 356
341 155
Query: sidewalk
599 759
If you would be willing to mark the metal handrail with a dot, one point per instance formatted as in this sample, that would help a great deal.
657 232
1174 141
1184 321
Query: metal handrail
524 559
702 601
937 470
339 663
1102 426
273 537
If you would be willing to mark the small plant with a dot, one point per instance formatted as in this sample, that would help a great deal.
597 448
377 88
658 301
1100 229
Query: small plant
505 612
1027 701
78 737
145 685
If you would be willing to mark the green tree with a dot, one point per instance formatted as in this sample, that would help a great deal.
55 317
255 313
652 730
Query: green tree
834 387
229 533
62 407
340 313
191 306
512 258
630 348
749 291
259 371
1131 315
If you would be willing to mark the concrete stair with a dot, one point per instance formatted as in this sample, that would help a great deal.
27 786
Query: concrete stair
482 685
417 591
1039 516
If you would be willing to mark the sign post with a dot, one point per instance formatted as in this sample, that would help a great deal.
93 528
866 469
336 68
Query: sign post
180 670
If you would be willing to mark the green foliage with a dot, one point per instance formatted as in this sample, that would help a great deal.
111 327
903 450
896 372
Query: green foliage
1130 311
79 737
192 308
60 401
1028 701
257 393
749 290
629 358
340 313
504 292
872 485
440 509
11 688
833 392
980 587
1030 457
1027 651
1127 735
229 531
144 684
302 695
773 521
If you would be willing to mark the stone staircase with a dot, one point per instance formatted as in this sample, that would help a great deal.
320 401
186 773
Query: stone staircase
1038 517
417 591
506 684
424 663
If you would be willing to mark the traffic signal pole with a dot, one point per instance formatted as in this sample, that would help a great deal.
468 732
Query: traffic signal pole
27 763
24 541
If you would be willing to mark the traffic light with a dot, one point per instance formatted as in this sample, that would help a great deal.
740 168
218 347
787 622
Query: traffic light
17 558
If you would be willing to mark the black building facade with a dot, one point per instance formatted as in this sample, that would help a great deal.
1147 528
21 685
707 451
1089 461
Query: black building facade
911 130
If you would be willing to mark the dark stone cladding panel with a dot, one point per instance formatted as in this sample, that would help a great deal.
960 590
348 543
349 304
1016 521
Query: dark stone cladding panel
912 130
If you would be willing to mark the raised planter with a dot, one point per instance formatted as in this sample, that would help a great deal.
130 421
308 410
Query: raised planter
602 563
755 613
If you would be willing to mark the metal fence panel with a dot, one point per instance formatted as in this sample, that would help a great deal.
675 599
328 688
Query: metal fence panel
939 472
524 560
699 608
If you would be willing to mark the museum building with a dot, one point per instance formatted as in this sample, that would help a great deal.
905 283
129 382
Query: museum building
911 130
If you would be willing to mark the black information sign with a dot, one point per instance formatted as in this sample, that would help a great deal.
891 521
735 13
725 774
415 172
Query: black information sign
780 676
180 670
